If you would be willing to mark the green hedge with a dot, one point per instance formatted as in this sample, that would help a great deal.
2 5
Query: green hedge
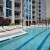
12 24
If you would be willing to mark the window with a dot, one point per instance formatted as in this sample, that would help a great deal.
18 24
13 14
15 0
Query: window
26 0
26 16
17 5
29 0
8 12
29 16
29 6
1 9
8 4
26 10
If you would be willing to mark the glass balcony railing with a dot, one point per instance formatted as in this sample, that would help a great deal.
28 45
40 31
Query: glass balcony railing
33 9
18 1
33 14
1 2
17 17
17 8
1 14
33 4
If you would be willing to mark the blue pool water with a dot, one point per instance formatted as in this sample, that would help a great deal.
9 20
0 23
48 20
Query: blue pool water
35 39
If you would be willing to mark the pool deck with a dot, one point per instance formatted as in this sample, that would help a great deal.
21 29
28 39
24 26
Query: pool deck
10 34
36 39
13 33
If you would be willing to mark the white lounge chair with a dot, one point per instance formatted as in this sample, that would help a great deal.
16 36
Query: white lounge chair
40 25
7 28
1 29
36 25
44 26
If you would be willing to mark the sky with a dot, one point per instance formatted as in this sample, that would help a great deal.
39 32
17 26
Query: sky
48 8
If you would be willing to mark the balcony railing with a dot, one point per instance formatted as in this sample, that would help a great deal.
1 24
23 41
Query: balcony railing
17 9
1 14
33 1
33 14
17 17
33 9
33 4
19 1
1 2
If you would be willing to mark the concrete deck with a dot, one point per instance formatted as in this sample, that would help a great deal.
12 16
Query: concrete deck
10 34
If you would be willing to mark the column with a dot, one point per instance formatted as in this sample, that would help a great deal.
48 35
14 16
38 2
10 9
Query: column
13 16
21 14
4 8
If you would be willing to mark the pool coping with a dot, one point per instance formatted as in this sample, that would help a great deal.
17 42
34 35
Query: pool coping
11 37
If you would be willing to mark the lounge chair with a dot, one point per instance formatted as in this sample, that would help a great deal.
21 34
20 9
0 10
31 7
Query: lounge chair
8 28
36 26
1 29
40 25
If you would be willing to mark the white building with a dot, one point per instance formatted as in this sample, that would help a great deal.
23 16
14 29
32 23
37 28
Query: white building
11 9
23 12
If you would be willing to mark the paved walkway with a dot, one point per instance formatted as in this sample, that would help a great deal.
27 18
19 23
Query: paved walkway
10 32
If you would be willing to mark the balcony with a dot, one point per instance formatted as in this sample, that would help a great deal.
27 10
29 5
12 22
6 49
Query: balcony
39 2
1 3
17 9
33 18
17 17
39 6
39 10
33 14
33 9
39 13
33 4
17 1
1 14
33 1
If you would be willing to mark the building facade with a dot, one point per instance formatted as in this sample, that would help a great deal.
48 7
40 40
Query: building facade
27 11
1 8
12 10
34 10
23 12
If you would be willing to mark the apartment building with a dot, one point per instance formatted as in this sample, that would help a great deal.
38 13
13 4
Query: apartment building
38 10
27 11
12 10
23 12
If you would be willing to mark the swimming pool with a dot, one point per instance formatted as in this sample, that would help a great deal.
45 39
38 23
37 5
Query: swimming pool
36 39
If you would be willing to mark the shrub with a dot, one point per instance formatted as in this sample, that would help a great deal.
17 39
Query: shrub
4 22
32 23
11 24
